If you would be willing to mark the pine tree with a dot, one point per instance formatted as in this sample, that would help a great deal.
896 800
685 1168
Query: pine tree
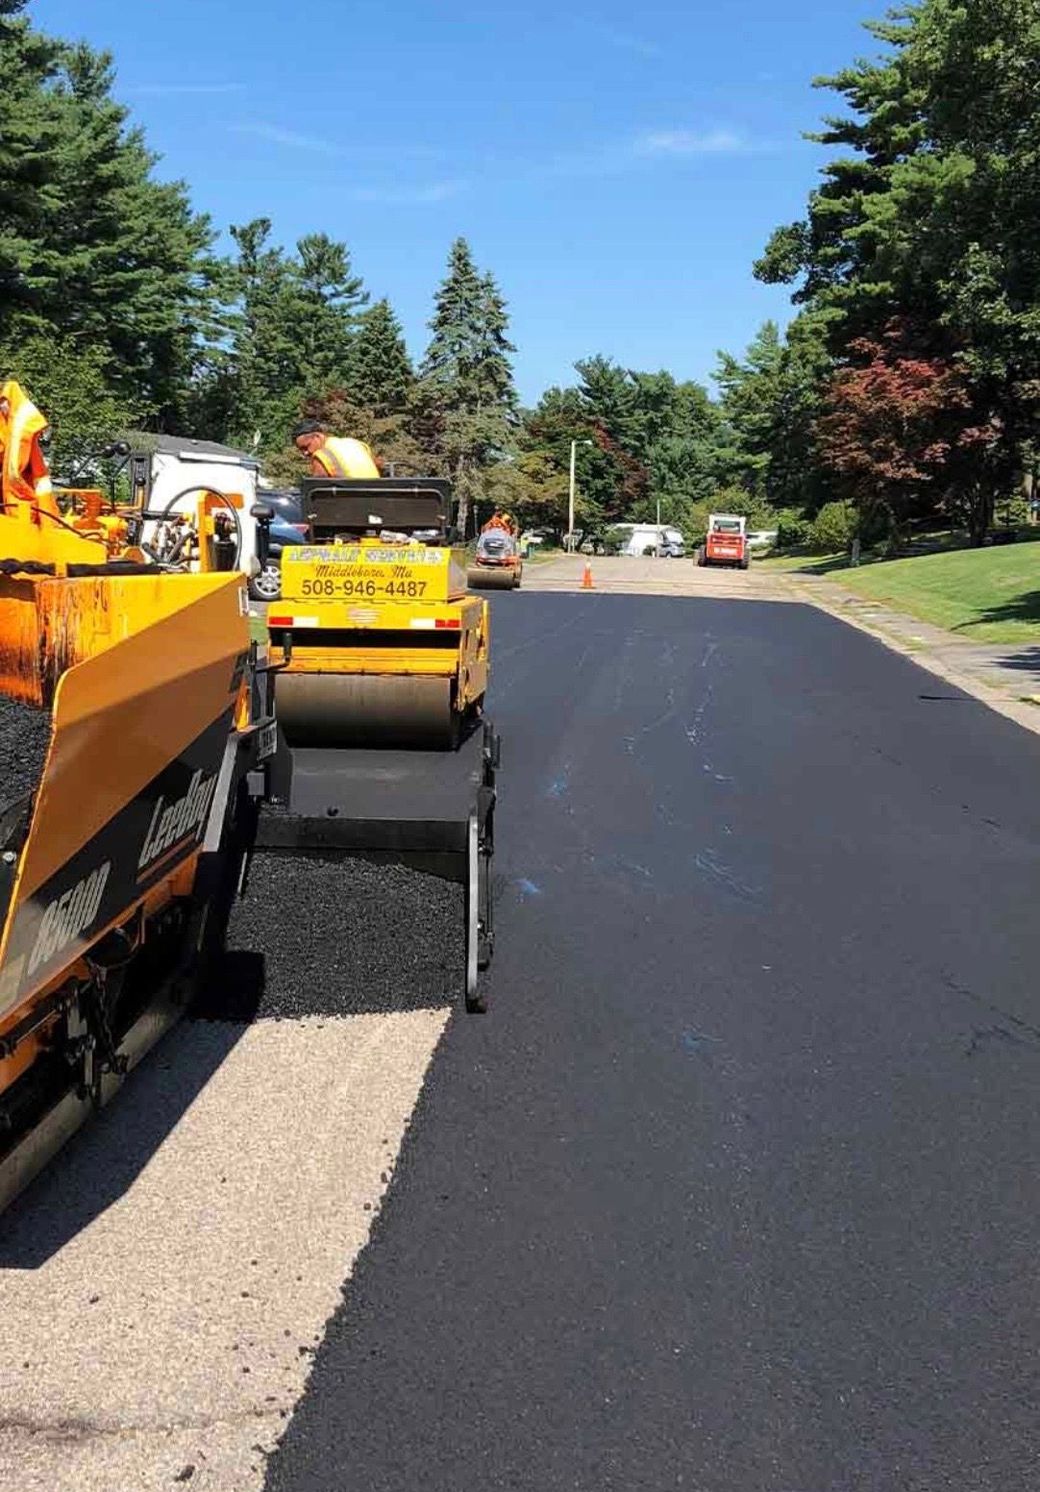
381 370
468 377
92 248
292 330
455 329
329 296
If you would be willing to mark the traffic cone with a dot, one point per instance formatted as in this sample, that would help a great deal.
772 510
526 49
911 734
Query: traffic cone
586 579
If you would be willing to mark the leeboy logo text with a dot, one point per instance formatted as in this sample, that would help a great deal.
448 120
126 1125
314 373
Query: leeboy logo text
172 822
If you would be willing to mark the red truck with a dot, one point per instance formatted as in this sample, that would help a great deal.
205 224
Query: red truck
726 542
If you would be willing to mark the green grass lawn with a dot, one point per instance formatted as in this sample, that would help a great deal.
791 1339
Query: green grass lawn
808 564
982 595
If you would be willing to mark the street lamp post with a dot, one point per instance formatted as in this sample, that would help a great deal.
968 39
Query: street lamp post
570 506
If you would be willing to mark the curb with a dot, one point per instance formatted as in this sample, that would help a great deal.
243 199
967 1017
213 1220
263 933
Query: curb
1023 711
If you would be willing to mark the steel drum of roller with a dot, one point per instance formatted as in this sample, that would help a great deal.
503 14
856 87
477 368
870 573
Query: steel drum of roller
327 709
486 578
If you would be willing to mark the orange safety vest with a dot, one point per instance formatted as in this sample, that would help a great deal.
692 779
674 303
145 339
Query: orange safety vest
24 472
341 457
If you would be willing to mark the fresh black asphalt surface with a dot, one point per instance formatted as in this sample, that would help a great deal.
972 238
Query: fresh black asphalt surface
735 1188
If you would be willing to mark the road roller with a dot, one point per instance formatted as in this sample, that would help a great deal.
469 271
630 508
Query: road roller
381 671
135 716
496 565
381 643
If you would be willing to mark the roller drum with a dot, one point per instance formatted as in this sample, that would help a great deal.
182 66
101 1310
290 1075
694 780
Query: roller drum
490 578
331 709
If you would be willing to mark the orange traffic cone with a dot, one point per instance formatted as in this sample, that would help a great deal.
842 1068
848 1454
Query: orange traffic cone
586 579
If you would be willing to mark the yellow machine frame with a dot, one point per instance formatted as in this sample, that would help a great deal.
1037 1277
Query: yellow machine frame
370 608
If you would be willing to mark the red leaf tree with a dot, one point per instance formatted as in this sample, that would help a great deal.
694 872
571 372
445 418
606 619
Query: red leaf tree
901 432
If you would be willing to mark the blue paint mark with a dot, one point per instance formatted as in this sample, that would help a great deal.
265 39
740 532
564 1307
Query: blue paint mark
709 864
696 1042
528 888
558 787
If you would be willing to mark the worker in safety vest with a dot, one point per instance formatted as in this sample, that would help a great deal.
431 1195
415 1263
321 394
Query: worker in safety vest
501 520
24 473
334 455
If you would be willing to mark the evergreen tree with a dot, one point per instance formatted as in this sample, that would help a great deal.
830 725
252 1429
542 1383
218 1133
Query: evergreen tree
329 296
468 377
455 329
771 400
92 248
493 351
928 217
381 370
292 330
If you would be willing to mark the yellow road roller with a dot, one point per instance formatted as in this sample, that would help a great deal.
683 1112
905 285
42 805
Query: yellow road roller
496 565
381 668
380 642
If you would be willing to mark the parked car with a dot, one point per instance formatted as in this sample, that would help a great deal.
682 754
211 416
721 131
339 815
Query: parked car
763 538
287 527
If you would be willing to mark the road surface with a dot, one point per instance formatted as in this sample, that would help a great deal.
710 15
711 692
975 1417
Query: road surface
735 1189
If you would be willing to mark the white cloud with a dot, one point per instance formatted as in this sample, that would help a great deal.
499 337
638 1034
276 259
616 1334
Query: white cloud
691 142
626 42
275 135
179 90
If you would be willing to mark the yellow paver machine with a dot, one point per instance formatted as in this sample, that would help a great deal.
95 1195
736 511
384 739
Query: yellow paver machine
381 660
131 723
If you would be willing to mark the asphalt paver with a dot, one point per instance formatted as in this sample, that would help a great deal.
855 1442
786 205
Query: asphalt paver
734 1189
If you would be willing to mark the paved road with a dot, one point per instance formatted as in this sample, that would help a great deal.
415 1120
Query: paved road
735 1189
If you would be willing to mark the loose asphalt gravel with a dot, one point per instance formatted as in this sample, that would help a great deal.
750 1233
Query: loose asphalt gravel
25 734
734 1189
324 935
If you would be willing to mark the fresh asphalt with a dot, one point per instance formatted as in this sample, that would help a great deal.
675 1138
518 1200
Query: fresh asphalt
735 1188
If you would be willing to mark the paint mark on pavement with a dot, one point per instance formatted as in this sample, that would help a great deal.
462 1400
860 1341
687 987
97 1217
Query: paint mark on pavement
709 864
696 1042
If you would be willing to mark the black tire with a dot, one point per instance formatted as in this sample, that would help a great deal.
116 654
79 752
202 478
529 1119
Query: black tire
702 558
744 564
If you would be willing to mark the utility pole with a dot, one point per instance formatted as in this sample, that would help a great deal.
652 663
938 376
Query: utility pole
570 506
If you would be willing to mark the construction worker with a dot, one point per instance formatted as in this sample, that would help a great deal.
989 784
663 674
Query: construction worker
334 455
501 520
24 472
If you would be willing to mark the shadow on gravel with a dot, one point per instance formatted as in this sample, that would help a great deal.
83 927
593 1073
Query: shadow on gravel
312 938
101 1163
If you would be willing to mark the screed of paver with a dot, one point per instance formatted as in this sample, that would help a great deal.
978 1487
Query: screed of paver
165 1284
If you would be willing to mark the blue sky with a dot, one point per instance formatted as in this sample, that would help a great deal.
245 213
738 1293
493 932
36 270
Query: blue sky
617 167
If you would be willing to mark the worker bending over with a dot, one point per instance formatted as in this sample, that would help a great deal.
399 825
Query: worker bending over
25 473
334 455
500 520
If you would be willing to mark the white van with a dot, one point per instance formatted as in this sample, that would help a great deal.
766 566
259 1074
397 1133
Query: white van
642 538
